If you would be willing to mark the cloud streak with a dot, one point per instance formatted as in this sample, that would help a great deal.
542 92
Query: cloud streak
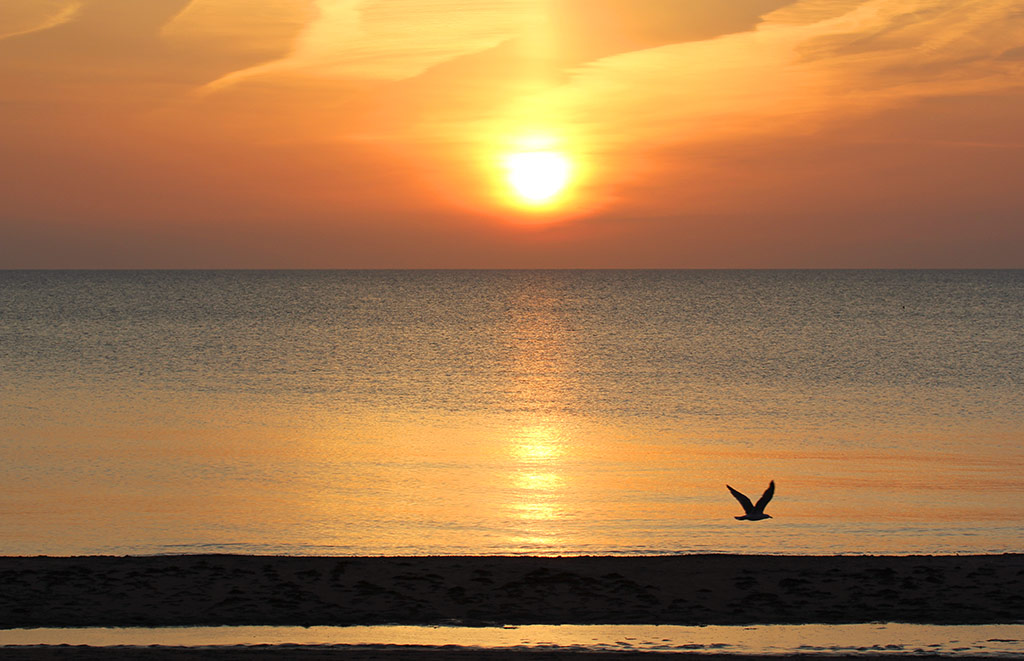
26 16
793 75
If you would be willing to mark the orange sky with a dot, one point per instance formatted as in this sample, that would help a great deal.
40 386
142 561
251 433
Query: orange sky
511 133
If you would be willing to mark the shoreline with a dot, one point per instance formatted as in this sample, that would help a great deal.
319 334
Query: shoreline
397 653
81 653
211 590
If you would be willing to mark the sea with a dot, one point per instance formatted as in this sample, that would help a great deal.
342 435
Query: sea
510 412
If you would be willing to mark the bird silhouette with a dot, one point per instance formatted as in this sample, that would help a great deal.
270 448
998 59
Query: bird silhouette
753 512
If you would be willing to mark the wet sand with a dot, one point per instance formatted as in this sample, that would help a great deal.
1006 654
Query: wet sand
269 653
686 590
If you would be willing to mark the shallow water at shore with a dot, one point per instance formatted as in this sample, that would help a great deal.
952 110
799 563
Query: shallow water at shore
854 639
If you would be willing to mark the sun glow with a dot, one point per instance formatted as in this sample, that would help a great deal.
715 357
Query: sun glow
538 177
538 174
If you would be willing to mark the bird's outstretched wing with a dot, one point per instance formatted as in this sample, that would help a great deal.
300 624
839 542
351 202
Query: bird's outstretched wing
748 507
765 497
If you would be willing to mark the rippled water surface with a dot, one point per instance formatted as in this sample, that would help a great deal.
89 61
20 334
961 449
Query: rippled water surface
510 412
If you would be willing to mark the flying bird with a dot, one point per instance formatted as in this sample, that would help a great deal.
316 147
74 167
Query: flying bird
753 512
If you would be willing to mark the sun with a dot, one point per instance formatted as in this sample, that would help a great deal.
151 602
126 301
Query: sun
538 178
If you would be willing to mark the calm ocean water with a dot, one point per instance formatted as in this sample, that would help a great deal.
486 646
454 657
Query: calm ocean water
557 412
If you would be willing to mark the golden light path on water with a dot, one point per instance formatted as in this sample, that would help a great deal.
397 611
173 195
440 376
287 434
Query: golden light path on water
538 486
1002 640
539 453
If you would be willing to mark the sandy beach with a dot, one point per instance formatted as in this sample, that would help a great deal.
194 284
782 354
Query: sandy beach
686 589
396 654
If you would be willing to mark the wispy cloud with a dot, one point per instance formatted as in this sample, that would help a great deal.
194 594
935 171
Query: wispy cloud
379 41
264 30
27 16
797 71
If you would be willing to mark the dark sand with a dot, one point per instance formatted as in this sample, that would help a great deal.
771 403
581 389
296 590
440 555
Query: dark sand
686 590
691 589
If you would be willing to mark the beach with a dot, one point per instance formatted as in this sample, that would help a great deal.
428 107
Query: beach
379 654
192 590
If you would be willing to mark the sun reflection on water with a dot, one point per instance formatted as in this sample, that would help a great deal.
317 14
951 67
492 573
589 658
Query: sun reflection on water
537 445
537 487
